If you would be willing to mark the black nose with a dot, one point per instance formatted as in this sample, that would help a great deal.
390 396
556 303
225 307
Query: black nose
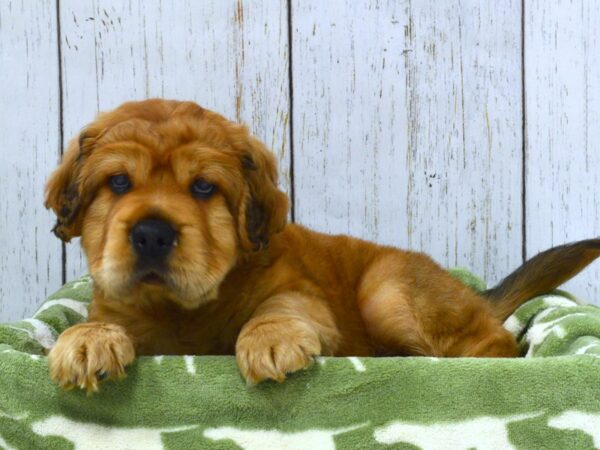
153 239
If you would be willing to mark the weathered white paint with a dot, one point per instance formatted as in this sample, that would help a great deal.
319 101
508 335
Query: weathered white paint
407 126
407 116
229 56
465 204
30 259
350 120
562 85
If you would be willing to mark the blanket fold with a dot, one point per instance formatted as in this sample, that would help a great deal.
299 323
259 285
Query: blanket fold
549 399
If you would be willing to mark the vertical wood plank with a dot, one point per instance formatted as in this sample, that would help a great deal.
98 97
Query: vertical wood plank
350 120
30 259
562 44
229 56
407 119
465 145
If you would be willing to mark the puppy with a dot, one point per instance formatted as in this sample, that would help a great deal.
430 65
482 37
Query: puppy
185 234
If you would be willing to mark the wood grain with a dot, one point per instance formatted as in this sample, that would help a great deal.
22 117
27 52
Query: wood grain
228 56
562 44
350 120
407 126
30 259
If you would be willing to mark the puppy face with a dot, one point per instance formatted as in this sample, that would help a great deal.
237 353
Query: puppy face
167 197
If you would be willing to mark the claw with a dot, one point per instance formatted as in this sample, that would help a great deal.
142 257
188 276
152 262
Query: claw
101 375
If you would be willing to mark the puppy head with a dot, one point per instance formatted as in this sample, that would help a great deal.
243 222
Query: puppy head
166 197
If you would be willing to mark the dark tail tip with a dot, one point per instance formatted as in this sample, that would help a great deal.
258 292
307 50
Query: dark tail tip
541 274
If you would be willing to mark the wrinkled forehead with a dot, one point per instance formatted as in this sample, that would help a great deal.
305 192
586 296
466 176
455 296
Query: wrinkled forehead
185 149
166 135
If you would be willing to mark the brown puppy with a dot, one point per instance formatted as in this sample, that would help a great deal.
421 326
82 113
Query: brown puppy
185 234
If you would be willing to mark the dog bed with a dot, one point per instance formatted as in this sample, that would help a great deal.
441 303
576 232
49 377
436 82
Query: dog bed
548 399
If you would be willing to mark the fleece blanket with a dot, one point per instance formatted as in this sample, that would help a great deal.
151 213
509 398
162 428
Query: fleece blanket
548 399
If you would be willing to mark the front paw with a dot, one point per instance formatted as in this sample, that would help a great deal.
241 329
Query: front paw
270 349
88 353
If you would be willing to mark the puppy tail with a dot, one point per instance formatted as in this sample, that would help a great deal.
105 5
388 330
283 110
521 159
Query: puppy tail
541 274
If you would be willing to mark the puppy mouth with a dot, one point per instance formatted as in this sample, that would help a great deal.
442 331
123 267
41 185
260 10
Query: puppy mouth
152 278
151 275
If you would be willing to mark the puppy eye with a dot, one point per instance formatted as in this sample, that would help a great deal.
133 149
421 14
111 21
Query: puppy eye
202 188
120 183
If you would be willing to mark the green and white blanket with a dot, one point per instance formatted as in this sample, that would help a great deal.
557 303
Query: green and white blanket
550 399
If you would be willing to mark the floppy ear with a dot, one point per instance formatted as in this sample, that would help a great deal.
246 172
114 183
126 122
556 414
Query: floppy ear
63 193
263 209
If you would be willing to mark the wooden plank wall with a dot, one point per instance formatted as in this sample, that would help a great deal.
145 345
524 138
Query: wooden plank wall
562 166
30 259
464 128
407 126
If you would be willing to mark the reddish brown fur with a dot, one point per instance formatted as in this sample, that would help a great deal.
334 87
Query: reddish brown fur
240 281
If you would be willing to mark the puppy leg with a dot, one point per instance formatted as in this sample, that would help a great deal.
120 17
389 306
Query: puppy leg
283 335
411 306
88 353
